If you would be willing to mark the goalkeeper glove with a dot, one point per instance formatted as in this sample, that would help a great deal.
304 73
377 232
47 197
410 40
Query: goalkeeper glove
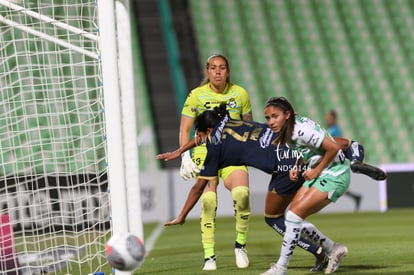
188 168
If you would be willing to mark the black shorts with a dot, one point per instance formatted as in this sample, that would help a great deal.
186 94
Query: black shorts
281 184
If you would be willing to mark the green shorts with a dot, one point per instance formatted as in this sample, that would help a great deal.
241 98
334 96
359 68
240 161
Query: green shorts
199 155
335 180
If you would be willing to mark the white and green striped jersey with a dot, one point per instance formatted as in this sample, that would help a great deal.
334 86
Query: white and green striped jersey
307 138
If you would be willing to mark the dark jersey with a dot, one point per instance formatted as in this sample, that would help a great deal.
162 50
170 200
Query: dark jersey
236 142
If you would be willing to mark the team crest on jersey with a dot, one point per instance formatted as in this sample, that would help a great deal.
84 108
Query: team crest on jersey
193 109
232 103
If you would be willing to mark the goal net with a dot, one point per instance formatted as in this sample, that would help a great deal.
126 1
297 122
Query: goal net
55 196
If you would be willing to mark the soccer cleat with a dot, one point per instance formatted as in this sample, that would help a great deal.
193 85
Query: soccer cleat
338 252
210 263
369 170
276 270
321 262
242 261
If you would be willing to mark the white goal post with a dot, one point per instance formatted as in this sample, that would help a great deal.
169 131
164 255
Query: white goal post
69 174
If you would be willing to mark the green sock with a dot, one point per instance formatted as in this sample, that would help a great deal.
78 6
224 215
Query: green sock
241 237
208 250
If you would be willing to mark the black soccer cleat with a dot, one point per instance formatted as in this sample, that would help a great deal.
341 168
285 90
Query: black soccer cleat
321 262
369 170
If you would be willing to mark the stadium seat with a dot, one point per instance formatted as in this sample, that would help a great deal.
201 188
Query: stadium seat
351 56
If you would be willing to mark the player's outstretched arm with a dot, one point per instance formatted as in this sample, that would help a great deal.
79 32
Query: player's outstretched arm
177 153
192 198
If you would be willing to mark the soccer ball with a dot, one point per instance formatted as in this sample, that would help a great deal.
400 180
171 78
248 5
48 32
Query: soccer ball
125 251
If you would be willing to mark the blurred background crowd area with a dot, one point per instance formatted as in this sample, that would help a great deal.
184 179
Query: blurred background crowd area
352 56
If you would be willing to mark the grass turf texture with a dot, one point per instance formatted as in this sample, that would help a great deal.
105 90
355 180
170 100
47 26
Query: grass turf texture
378 243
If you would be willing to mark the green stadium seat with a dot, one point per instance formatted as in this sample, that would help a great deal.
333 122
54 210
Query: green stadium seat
351 56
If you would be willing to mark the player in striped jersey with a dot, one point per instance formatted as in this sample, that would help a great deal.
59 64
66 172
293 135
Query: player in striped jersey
250 143
326 179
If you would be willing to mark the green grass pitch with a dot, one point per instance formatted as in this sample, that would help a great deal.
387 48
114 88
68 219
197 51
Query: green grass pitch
378 243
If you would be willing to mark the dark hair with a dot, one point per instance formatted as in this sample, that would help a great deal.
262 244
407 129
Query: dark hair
205 79
333 113
210 118
286 132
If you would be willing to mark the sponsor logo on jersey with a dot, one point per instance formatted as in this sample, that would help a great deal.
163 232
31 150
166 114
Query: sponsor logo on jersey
216 138
313 140
207 105
266 139
211 104
283 153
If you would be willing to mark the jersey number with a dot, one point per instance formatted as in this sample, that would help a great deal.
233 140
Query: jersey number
243 138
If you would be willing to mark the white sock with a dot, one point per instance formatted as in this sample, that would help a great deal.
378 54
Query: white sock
293 230
313 234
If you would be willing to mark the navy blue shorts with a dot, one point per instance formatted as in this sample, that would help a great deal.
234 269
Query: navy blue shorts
281 184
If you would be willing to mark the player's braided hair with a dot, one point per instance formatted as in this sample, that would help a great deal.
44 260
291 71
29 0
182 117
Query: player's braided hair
286 132
210 118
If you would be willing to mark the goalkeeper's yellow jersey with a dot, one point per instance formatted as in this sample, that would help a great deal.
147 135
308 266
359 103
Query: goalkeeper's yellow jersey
204 98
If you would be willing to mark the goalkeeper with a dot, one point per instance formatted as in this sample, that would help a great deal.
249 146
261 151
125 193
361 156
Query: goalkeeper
213 90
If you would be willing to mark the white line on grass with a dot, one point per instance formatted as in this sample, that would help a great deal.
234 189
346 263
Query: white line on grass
150 241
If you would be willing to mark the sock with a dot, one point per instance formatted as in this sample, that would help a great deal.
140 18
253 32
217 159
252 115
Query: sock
293 230
208 250
208 222
241 204
278 224
240 239
312 233
355 151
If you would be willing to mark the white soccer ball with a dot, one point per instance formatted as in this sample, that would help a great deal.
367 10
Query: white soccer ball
125 251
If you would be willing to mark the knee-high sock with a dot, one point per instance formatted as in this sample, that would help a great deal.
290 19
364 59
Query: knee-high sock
312 233
241 203
278 224
293 230
208 222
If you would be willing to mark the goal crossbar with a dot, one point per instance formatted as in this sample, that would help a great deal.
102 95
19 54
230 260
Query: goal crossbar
52 21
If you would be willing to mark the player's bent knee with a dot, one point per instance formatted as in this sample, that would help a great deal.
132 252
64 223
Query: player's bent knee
240 195
209 202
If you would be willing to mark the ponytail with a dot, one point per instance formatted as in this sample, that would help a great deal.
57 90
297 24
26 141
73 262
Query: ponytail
210 118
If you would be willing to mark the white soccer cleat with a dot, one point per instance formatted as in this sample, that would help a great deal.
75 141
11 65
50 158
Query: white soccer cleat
210 263
338 252
276 270
242 261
